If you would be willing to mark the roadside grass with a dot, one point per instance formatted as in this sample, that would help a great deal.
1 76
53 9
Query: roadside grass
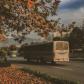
49 78
77 59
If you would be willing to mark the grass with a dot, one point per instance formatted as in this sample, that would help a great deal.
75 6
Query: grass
49 78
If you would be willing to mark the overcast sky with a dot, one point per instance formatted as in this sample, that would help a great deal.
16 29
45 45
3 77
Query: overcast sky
71 10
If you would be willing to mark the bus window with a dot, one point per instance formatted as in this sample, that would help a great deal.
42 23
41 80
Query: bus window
61 46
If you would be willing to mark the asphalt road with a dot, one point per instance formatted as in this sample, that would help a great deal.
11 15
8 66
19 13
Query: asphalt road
72 71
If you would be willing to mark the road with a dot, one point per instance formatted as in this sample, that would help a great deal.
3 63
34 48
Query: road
72 71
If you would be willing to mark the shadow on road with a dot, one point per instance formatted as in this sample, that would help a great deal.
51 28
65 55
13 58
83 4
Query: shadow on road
36 63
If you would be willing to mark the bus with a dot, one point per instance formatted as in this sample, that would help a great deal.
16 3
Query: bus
56 51
61 51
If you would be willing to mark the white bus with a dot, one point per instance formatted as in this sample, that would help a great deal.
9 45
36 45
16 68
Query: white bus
56 51
61 51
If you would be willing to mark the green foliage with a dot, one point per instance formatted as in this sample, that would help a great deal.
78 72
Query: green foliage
61 39
3 54
76 38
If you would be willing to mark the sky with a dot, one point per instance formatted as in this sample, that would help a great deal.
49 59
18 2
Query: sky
71 10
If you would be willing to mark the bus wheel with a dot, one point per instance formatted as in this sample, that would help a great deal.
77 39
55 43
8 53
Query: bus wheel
52 62
43 61
28 60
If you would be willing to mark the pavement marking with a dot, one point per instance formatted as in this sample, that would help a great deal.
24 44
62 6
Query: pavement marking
68 69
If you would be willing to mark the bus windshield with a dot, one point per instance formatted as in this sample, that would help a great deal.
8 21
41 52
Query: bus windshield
62 46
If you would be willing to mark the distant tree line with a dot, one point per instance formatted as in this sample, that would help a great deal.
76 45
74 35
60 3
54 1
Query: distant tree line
75 38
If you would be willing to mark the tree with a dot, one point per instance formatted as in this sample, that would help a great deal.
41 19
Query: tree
20 17
76 38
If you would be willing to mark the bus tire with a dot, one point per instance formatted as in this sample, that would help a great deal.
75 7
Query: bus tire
53 62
